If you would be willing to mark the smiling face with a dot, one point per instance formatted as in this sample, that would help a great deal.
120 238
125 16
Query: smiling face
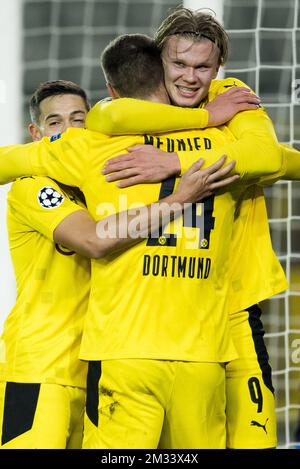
189 66
57 114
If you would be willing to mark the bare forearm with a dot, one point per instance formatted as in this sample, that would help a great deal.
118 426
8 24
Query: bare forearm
255 150
124 229
120 231
80 233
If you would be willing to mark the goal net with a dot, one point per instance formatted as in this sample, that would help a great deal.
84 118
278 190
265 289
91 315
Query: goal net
265 53
64 38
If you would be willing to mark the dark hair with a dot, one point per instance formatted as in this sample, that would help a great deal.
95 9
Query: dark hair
132 65
54 88
193 25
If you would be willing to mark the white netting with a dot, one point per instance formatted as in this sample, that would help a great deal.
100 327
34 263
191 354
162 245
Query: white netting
265 44
64 38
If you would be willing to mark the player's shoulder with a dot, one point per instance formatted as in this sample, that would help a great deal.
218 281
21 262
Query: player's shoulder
39 192
98 114
96 136
218 86
30 184
95 114
71 134
42 192
80 135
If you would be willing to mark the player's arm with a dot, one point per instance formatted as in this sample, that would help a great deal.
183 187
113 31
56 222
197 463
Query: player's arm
292 163
125 116
148 164
255 136
255 151
253 130
40 204
256 142
120 231
257 155
64 159
15 162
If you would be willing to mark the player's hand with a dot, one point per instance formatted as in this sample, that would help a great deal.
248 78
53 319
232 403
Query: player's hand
226 105
142 164
197 183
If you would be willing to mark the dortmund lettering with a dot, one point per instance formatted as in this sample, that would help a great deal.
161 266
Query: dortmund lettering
176 266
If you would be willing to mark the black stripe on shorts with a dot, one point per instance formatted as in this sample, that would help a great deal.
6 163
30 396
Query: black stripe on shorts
19 409
92 391
259 344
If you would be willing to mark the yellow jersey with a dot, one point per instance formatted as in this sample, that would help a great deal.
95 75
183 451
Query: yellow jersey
264 276
166 297
42 333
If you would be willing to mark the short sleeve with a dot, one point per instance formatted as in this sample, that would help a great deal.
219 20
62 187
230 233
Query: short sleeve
40 204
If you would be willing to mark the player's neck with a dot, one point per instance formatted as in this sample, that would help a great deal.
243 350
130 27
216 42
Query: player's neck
160 96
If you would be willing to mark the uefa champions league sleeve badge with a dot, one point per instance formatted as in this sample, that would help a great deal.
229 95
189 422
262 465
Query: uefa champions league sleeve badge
49 197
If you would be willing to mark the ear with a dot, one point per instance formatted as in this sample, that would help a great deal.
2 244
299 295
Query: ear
34 132
112 91
216 72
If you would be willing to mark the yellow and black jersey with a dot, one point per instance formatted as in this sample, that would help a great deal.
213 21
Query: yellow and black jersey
107 116
166 296
256 273
253 130
264 276
42 333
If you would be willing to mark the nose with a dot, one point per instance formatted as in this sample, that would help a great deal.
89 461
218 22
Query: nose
190 75
65 125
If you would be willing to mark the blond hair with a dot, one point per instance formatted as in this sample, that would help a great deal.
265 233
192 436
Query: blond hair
194 25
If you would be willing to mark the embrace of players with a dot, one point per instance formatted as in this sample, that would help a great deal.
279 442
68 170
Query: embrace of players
150 337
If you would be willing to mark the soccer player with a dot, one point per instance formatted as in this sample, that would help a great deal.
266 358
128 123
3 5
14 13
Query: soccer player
157 323
42 380
193 47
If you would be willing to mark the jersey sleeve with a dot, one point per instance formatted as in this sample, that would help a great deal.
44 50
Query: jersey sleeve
292 163
256 150
40 204
220 86
64 158
125 116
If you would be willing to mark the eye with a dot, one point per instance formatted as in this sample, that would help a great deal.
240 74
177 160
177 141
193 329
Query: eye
179 64
78 122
